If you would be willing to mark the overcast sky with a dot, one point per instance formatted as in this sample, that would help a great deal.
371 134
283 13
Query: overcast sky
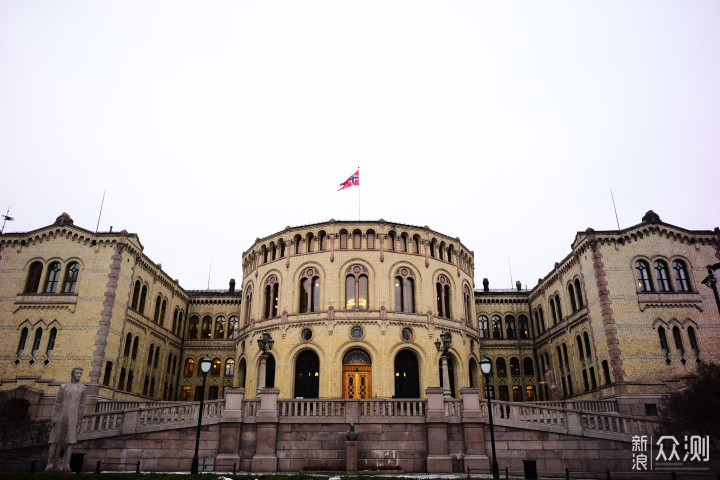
503 123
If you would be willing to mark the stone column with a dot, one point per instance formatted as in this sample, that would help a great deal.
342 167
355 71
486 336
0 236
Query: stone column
473 431
351 456
265 458
230 428
438 460
445 380
263 372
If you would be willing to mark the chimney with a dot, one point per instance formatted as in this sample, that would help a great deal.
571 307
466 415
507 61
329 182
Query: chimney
232 285
518 285
486 285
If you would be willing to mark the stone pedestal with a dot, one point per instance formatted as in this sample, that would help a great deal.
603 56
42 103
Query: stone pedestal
265 458
231 429
438 460
473 431
351 456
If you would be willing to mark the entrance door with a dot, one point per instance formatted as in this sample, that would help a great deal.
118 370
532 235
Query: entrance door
357 381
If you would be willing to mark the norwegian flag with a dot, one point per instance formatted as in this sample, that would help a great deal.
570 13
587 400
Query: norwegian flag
353 180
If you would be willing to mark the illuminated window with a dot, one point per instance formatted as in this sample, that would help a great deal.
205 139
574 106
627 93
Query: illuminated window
404 290
356 288
496 325
483 329
189 367
309 290
215 368
220 327
643 276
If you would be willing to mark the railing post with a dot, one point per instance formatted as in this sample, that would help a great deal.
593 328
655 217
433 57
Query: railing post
473 429
265 458
137 468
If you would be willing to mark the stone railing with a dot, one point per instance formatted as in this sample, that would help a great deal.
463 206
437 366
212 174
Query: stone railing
250 407
614 424
508 413
392 408
584 405
311 408
145 419
453 408
114 406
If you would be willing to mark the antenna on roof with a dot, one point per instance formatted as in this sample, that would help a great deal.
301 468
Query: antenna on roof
210 270
6 217
100 214
613 200
510 265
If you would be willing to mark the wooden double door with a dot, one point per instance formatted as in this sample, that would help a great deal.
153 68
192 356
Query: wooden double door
357 381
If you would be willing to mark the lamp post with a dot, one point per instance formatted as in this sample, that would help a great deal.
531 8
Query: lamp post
486 366
264 343
711 281
205 365
443 345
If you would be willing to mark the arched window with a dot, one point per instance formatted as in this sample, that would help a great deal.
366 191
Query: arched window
150 354
514 366
216 367
501 367
433 247
264 254
53 278
510 326
248 304
34 276
407 377
537 324
450 253
643 276
36 343
206 329
220 327
468 306
357 239
559 357
143 297
528 366
323 240
571 294
370 235
483 329
157 357
581 353
661 275
158 302
272 288
130 378
242 368
281 247
71 277
416 244
693 339
391 241
473 373
233 327
189 367
567 362
542 319
309 290
297 240
524 327
229 367
586 337
309 242
121 381
559 308
193 327
128 344
496 326
343 239
517 393
442 287
273 251
503 393
162 312
552 310
136 295
676 337
663 339
356 288
681 276
441 251
402 243
404 290
578 292
174 322
23 340
530 390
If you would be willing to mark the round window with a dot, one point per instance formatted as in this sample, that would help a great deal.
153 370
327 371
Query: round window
407 334
306 334
356 332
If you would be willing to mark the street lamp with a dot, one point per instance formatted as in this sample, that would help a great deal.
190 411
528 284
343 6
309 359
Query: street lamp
443 345
205 365
711 281
486 367
265 342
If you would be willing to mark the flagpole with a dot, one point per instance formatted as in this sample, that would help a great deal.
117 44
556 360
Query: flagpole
358 194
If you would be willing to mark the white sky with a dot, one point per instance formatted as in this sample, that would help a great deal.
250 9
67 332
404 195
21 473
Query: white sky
504 123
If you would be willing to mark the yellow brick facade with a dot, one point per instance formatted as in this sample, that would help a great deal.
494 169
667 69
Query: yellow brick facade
99 323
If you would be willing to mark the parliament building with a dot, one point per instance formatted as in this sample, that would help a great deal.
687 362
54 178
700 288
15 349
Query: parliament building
359 309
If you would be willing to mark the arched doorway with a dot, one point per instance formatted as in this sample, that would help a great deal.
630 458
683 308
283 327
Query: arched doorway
357 374
307 375
451 373
407 378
